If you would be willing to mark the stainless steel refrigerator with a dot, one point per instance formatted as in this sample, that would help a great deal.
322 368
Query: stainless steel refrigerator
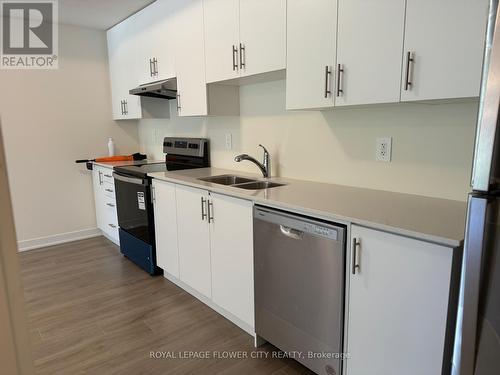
477 336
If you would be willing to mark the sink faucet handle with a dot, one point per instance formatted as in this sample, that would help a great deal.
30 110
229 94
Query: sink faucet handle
266 162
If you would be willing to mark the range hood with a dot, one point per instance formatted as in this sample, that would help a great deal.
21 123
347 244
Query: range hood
165 89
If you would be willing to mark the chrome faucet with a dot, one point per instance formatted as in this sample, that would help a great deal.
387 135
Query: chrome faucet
265 166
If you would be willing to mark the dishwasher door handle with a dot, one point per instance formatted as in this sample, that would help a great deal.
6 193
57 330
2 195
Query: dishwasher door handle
292 233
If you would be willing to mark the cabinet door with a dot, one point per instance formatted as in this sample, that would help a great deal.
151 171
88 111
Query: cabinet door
193 239
99 200
369 55
133 69
262 35
144 42
155 40
190 64
445 39
116 52
110 224
311 50
124 70
221 39
231 234
398 304
165 211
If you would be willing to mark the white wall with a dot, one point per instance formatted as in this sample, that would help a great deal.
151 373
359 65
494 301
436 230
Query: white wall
50 119
432 143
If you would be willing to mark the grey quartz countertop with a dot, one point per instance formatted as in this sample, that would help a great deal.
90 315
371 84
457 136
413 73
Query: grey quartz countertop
113 164
435 220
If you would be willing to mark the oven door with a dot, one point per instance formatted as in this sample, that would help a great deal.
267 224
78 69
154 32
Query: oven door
134 207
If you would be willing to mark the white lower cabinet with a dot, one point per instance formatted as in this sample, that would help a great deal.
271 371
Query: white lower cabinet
165 212
105 202
231 237
398 304
205 241
194 239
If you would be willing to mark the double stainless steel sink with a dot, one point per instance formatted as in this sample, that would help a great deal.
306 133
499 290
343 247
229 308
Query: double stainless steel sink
240 182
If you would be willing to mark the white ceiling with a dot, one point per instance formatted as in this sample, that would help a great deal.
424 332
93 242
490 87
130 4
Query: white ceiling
98 14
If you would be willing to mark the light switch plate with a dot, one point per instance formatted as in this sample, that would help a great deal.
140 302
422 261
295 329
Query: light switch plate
384 149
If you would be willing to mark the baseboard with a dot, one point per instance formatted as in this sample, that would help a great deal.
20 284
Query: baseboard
37 243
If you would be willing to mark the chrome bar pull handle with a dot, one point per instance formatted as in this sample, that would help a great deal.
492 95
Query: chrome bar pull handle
328 72
100 178
210 212
409 61
340 71
150 67
155 66
243 56
354 264
203 214
235 63
178 102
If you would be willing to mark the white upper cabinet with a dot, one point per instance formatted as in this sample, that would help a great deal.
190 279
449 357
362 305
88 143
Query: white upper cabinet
190 64
193 96
123 70
398 304
443 49
221 39
243 37
262 36
311 48
155 40
369 49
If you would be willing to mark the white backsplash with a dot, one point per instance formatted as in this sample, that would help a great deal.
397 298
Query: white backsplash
431 151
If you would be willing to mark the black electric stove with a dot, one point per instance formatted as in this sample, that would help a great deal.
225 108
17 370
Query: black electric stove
134 202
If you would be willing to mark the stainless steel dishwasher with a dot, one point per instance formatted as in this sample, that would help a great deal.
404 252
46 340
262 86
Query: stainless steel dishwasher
299 287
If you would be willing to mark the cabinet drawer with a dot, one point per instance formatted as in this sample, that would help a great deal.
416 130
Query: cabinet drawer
107 176
110 222
110 204
109 190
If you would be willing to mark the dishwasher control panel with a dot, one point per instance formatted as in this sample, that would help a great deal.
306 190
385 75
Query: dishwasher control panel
322 231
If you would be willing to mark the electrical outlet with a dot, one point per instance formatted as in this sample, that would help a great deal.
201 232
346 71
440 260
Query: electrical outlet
229 141
384 149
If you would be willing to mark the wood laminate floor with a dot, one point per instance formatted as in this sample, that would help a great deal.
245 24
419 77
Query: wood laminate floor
91 311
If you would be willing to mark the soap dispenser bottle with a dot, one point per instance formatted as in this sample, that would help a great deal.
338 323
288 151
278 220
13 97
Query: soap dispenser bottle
111 147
